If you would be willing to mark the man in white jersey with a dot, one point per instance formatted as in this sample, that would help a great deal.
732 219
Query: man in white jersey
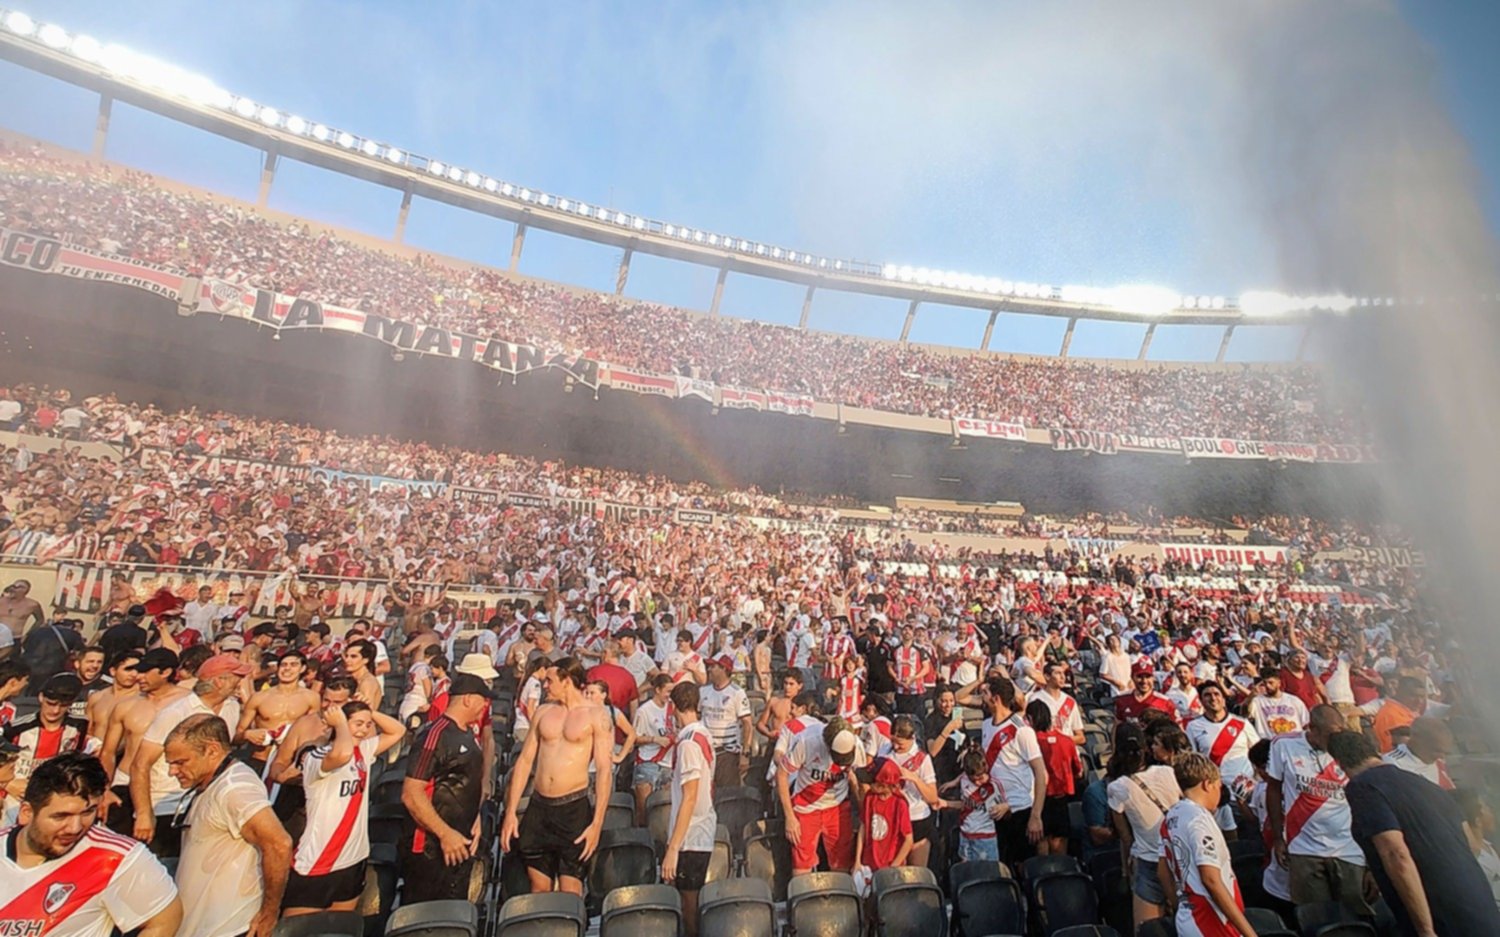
1225 739
1425 751
685 663
153 789
726 716
64 875
328 870
1066 715
1195 863
813 781
1015 761
800 718
1310 822
690 842
235 853
1273 712
1327 661
1184 694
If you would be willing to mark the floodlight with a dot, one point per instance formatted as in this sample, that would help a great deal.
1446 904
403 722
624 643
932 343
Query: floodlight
296 125
507 189
86 48
888 271
602 214
369 148
791 256
244 107
621 218
639 223
583 209
269 116
775 253
698 236
524 195
544 200
52 36
490 185
823 262
760 249
19 23
713 239
436 168
394 155
320 133
1218 302
564 205
669 230
472 178
455 173
346 140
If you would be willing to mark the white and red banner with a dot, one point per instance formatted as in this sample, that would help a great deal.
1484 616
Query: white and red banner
796 404
993 429
1084 440
1227 554
691 387
655 385
738 398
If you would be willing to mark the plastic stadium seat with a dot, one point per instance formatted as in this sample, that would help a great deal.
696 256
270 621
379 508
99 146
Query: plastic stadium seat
1105 868
1250 872
989 906
736 907
1313 918
1038 866
907 901
659 819
1347 929
736 807
513 878
386 821
1063 899
764 826
624 857
721 862
824 904
975 870
322 924
1267 923
769 858
1088 930
620 813
381 876
434 919
546 915
1158 927
642 911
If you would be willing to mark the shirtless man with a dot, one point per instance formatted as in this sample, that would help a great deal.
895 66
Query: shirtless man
309 730
269 712
359 659
128 721
16 608
125 673
558 834
308 605
420 640
779 708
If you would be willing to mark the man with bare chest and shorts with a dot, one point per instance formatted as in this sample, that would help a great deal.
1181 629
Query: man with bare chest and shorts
270 712
125 677
305 732
16 609
561 828
128 721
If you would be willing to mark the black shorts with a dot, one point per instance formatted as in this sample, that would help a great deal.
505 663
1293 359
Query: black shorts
425 878
121 816
1015 846
924 829
692 870
545 840
323 891
1055 820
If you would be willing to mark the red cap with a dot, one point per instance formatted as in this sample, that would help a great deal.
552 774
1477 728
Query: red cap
221 664
724 661
1142 669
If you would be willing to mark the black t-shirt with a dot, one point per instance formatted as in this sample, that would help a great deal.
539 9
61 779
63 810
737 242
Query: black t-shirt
126 636
945 762
1387 798
46 651
878 667
449 759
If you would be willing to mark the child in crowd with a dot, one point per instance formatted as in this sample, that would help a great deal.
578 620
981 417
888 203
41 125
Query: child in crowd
885 832
1064 770
980 803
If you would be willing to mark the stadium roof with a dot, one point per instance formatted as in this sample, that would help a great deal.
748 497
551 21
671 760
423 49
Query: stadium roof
117 73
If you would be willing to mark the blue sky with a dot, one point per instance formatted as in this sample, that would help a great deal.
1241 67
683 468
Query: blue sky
1098 144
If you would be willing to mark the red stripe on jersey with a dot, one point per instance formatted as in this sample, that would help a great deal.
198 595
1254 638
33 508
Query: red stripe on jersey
48 742
1232 730
330 854
1307 803
815 790
52 900
998 741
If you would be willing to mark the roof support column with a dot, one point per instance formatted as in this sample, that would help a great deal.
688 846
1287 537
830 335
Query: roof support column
713 307
1068 337
623 274
989 329
101 125
806 308
1224 344
1304 342
1146 342
267 176
516 243
401 215
911 316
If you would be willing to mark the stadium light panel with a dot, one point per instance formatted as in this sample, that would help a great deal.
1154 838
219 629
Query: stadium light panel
320 133
436 168
564 205
1218 302
775 253
455 174
669 230
888 271
639 224
19 23
52 36
244 107
490 185
507 190
823 263
583 209
1269 304
370 148
346 140
270 116
544 200
295 124
472 178
622 218
524 195
86 48
713 240
698 236
394 155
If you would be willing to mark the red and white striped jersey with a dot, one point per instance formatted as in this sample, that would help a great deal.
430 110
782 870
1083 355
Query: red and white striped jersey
1009 750
917 762
104 883
978 799
909 669
38 743
1227 744
1191 840
651 719
851 698
338 811
1312 788
816 782
1066 716
836 647
1436 771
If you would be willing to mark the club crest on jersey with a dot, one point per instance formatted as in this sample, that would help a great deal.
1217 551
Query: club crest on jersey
57 895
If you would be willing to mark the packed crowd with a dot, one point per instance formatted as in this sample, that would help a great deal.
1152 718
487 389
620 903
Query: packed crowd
129 214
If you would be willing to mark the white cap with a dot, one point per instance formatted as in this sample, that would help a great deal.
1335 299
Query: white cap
844 744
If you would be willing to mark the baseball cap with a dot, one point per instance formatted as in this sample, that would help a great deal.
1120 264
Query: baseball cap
1142 670
724 661
62 688
232 642
158 658
221 664
845 744
464 684
262 629
478 665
